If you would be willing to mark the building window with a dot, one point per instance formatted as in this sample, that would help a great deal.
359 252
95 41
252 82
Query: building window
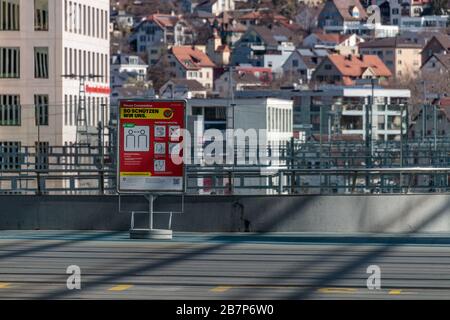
97 24
42 149
10 110
9 15
84 19
9 155
101 25
70 111
41 63
9 63
41 109
41 15
89 21
65 110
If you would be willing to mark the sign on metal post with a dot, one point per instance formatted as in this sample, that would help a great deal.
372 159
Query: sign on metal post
150 155
149 133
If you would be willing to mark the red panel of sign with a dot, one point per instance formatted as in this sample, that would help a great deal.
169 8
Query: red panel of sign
149 137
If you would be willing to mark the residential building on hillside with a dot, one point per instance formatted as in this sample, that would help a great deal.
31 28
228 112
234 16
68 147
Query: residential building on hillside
259 41
405 9
365 30
127 71
401 55
219 53
262 18
345 70
123 20
215 7
130 65
302 63
182 89
160 29
342 44
424 23
341 13
438 64
187 62
229 28
350 17
438 44
241 80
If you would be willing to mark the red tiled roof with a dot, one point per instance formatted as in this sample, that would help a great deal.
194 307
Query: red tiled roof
332 37
355 65
191 58
163 20
344 7
255 15
444 102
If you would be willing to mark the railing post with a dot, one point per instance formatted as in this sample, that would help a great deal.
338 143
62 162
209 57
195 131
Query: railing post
280 182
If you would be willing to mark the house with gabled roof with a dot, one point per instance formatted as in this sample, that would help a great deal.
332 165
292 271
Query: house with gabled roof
260 41
182 89
160 29
400 54
345 70
189 62
302 62
438 44
341 12
437 64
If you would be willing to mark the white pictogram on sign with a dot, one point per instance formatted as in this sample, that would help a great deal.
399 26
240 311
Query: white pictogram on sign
160 131
160 148
137 138
160 165
174 132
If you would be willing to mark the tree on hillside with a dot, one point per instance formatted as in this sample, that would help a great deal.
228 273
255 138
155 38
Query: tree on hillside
307 17
159 74
425 84
287 8
439 7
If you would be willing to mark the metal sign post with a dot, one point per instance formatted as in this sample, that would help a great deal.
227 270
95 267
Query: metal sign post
149 136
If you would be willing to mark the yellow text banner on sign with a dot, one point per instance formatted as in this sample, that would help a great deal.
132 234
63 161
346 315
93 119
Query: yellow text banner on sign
146 113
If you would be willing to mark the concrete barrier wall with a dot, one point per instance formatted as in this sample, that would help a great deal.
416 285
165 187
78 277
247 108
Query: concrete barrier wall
351 214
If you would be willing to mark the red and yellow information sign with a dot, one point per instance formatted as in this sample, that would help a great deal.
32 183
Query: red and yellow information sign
149 136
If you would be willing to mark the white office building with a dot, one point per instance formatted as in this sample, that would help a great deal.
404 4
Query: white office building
40 42
270 118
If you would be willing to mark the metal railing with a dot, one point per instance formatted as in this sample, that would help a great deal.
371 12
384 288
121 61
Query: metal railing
332 167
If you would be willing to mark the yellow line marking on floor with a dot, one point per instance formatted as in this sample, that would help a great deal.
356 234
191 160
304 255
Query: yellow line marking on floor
5 285
121 287
337 290
220 289
395 291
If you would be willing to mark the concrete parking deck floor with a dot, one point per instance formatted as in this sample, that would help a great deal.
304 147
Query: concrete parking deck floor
223 266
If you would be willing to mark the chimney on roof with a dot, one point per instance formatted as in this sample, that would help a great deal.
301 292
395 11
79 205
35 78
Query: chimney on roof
172 13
